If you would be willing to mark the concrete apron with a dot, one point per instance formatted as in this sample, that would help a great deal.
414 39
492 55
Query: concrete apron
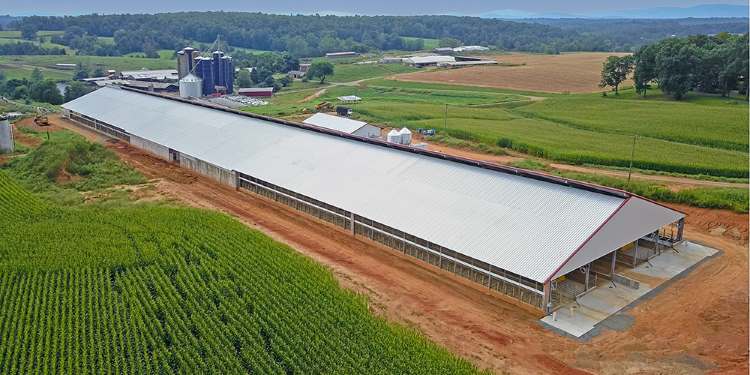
599 304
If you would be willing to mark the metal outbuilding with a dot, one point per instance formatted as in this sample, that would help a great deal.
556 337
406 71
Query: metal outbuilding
343 124
513 231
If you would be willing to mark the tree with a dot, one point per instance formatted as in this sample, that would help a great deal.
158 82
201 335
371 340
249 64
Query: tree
320 69
644 68
82 71
243 79
36 75
75 90
46 91
449 42
615 70
20 92
675 64
149 50
28 31
99 71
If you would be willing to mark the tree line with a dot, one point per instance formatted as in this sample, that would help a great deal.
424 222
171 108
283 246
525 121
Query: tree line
28 48
39 89
716 64
314 35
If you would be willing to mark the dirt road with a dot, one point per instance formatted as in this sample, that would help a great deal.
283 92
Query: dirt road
673 182
696 325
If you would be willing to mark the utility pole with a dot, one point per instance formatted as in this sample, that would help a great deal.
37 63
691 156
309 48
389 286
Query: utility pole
632 156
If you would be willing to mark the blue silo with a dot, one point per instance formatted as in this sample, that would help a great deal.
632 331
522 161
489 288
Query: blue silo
203 69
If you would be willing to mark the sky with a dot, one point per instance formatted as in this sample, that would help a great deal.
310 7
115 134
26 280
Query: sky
387 7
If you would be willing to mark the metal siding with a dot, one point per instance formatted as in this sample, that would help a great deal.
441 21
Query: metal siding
369 131
146 145
636 218
523 225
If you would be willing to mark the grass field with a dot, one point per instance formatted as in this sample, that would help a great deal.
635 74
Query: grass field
22 66
147 288
581 128
354 72
429 44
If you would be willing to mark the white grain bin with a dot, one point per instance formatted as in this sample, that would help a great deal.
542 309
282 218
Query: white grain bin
190 86
405 135
394 136
6 135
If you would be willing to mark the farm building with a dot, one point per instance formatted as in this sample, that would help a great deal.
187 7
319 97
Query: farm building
459 64
151 75
341 54
342 124
256 91
422 61
527 235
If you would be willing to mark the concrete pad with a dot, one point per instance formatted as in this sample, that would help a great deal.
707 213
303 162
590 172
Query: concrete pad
608 298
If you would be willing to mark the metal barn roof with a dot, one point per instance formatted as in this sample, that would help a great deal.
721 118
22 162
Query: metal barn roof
337 123
532 227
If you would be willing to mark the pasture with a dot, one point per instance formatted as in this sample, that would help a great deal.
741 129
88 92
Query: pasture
566 72
22 66
554 126
150 287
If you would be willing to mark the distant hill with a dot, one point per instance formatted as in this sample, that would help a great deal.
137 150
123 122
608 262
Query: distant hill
697 11
5 20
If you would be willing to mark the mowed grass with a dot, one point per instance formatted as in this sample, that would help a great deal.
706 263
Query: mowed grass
355 72
429 44
153 288
710 121
699 136
22 66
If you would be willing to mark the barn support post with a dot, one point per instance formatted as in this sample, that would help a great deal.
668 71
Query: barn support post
680 229
546 298
351 221
635 253
612 270
588 273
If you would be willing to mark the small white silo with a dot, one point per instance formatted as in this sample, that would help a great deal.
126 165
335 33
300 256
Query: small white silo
190 86
405 135
6 136
393 136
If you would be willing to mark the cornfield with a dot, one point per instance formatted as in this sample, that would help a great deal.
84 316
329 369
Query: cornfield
160 289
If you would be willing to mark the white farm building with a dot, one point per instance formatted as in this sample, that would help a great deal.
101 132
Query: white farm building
520 233
343 124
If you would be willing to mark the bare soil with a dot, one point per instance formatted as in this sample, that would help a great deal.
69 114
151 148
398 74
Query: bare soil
566 72
695 325
675 183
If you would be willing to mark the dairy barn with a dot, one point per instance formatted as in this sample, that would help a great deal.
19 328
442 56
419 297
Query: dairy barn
527 235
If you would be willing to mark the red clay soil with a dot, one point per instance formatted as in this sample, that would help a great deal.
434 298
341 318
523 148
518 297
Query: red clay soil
696 325
673 182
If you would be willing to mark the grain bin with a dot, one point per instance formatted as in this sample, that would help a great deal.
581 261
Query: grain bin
393 136
405 135
190 86
6 135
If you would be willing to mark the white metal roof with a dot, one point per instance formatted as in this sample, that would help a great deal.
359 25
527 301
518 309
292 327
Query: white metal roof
531 227
341 124
430 59
159 74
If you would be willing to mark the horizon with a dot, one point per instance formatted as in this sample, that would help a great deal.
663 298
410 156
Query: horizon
473 8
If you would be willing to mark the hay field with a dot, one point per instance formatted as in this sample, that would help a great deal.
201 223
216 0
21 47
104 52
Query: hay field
566 72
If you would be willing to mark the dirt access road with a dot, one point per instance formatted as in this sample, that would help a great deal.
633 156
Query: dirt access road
696 325
673 182
567 72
